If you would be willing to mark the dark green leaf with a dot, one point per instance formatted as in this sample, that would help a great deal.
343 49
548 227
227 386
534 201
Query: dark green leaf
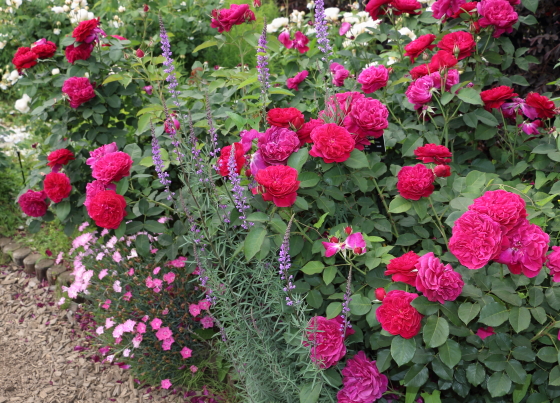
515 371
442 370
154 226
399 205
63 209
554 377
493 314
416 376
499 384
470 96
383 360
468 312
298 158
142 245
122 186
424 306
521 390
450 353
313 267
523 353
520 319
34 226
475 373
314 299
333 310
553 297
548 354
402 350
436 331
310 393
254 241
357 160
359 305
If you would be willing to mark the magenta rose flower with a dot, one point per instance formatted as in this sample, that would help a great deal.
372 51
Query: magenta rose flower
476 239
326 340
363 383
373 78
415 182
112 167
338 106
446 7
504 207
33 203
96 154
451 78
438 282
294 82
526 253
79 90
419 92
339 74
553 263
499 14
367 118
277 144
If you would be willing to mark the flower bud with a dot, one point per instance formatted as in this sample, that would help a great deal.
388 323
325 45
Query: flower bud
442 171
380 293
348 230
256 3
148 89
333 239
177 124
358 251
139 53
146 8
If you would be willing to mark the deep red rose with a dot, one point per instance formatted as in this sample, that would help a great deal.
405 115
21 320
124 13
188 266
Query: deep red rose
24 58
397 316
380 293
285 117
57 186
79 90
441 60
58 158
112 167
466 8
433 153
304 134
44 49
107 209
33 203
280 184
402 268
406 6
544 106
332 143
419 71
139 53
223 161
415 182
442 171
374 8
506 208
81 52
419 46
224 19
495 97
460 44
87 31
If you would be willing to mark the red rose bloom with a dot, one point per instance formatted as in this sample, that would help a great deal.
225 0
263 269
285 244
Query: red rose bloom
113 167
223 161
499 14
544 106
79 90
107 209
332 143
441 60
469 7
438 282
460 44
406 6
327 341
24 58
57 186
280 184
368 117
433 153
87 31
81 52
304 134
33 203
496 97
402 268
419 46
397 316
374 8
504 207
285 117
442 171
59 158
44 49
419 71
226 18
415 182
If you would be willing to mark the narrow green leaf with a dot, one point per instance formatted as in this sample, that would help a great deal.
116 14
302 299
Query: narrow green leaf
205 45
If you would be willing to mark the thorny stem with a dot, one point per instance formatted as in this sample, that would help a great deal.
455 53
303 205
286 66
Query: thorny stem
395 230
440 225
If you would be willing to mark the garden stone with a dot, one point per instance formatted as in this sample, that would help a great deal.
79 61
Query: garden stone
66 278
41 268
21 254
4 242
29 263
54 272
12 246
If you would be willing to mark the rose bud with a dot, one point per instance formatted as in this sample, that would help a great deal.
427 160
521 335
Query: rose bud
139 53
442 171
148 89
380 293
333 239
348 230
358 250
256 3
146 8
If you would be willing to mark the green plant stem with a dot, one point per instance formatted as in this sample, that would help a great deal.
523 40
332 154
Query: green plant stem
302 231
440 225
395 231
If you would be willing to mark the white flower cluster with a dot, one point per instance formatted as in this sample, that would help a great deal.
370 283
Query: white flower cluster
77 11
117 22
3 40
12 5
360 21
297 18
9 78
22 104
276 24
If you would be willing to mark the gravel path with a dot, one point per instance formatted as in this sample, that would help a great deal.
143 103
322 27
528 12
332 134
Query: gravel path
40 357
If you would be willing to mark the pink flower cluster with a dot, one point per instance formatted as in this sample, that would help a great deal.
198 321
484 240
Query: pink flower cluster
363 383
326 340
354 242
299 42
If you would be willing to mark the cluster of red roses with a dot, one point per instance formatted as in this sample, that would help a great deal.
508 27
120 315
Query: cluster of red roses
225 18
87 33
56 186
25 57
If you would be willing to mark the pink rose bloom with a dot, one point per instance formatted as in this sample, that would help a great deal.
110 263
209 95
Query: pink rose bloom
438 282
531 128
367 118
284 39
326 340
96 154
204 304
300 42
339 106
186 353
207 322
294 82
451 78
476 239
553 263
165 384
518 106
247 137
112 167
363 383
193 368
485 332
339 74
156 323
164 333
141 327
373 78
92 189
506 208
166 345
169 277
446 7
194 309
345 27
499 14
277 144
526 253
419 92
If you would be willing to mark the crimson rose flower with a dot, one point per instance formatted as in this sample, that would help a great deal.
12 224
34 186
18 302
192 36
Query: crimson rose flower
419 71
280 184
415 182
304 133
433 153
88 31
332 143
495 97
504 207
33 203
441 60
326 340
419 46
58 158
96 154
403 268
476 239
368 117
113 167
107 209
57 186
420 91
446 7
469 7
374 8
499 14
79 90
460 43
223 161
24 58
81 52
284 117
277 144
438 282
362 381
44 49
397 316
93 188
543 105
405 6
225 18
373 78
553 263
442 171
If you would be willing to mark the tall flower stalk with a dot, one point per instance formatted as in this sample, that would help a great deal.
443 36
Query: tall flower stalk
322 30
262 67
285 264
158 163
239 198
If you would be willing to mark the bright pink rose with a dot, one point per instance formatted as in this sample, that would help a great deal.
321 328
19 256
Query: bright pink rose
544 108
226 18
284 39
277 144
326 340
112 167
451 78
88 31
499 14
300 42
419 92
44 49
476 239
367 118
247 137
58 158
405 6
484 332
362 381
438 282
531 128
285 117
433 153
553 263
344 27
506 208
57 186
79 90
373 78
441 60
403 268
415 182
332 143
526 253
96 154
339 74
33 203
338 106
446 7
397 316
375 8
293 83
225 156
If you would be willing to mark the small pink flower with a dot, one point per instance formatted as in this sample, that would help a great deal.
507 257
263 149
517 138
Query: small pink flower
186 352
300 42
128 326
145 318
154 250
166 384
356 243
163 220
103 273
156 323
107 304
166 345
207 322
204 304
141 328
109 323
332 248
345 27
165 311
117 286
164 333
339 74
117 256
130 272
126 352
137 340
194 309
485 332
127 296
118 331
169 277
294 82
193 368
156 270
531 128
99 330
285 40
150 282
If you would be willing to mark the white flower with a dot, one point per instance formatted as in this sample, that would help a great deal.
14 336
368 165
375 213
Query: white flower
57 10
363 15
65 8
183 3
310 5
122 9
56 31
14 76
407 32
82 15
3 86
2 44
16 3
332 13
86 74
55 72
350 18
276 24
392 60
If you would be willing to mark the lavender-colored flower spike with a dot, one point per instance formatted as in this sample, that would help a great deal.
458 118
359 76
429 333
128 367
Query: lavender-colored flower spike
158 162
171 77
238 197
285 264
262 63
322 30
212 130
